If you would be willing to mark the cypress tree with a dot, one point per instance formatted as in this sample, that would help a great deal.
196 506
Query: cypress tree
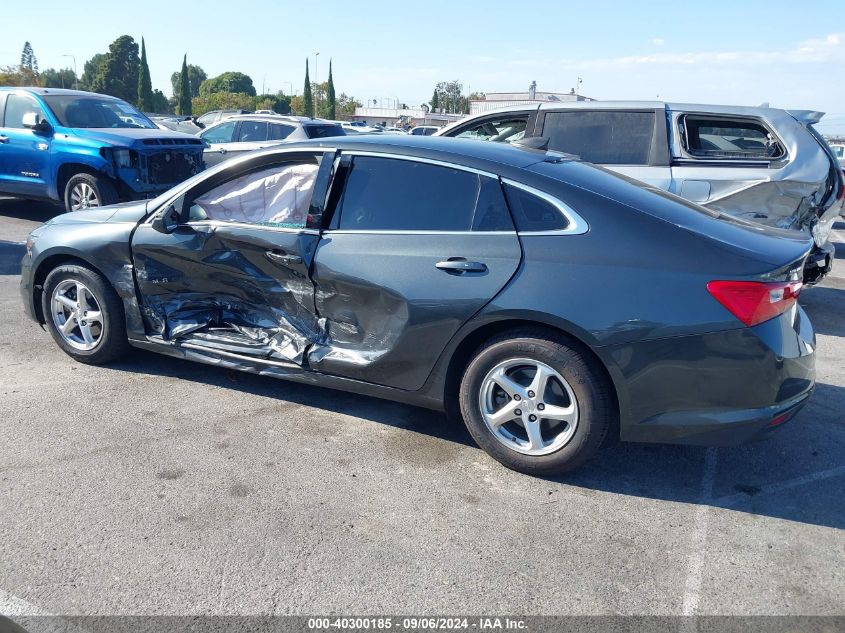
307 97
145 86
435 101
331 102
185 89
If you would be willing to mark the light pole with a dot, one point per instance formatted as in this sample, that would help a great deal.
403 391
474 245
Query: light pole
290 87
75 75
317 81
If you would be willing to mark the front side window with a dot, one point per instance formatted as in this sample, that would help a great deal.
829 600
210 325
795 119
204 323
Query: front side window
96 112
222 133
602 137
503 130
252 131
724 138
387 194
17 106
277 196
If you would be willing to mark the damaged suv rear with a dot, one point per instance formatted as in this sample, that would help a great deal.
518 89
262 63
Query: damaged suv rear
87 150
760 164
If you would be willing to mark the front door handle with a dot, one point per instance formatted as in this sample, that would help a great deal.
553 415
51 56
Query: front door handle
4 139
459 265
222 150
283 258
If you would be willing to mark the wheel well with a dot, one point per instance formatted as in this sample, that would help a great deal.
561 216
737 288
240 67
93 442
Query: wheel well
467 348
68 171
44 269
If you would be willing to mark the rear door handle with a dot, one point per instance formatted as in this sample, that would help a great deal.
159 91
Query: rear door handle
458 265
4 139
283 258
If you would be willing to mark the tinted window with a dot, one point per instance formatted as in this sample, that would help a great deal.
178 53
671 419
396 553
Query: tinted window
400 195
532 213
712 137
506 129
277 196
17 106
322 131
277 132
220 134
605 138
252 131
208 118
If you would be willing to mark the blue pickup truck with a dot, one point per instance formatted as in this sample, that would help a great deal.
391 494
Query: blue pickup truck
87 150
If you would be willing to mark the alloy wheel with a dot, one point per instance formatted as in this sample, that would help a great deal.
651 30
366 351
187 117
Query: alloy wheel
528 406
83 196
77 315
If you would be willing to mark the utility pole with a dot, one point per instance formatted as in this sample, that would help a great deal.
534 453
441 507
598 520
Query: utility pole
75 75
317 81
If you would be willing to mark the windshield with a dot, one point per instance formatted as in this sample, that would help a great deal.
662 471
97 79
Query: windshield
96 112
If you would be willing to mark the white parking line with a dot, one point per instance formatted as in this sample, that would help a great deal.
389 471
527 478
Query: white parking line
695 563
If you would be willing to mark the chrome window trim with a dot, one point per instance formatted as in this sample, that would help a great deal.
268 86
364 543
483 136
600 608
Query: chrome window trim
411 232
248 225
576 225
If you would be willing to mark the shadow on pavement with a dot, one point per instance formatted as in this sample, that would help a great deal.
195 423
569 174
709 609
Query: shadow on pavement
825 306
663 472
35 210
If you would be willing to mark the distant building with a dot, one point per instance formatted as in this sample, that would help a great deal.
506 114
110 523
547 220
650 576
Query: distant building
495 100
392 116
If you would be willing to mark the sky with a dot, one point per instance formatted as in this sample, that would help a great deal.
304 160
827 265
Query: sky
745 52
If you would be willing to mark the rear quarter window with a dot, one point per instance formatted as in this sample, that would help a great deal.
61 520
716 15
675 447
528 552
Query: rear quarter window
323 131
602 137
534 213
716 138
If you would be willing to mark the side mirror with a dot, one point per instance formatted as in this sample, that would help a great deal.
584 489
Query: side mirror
167 220
33 121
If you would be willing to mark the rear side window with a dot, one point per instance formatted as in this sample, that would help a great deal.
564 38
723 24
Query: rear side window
385 194
251 131
533 213
323 131
725 138
604 138
277 132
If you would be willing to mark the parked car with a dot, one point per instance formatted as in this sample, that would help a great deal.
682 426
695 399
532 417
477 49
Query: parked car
839 151
545 301
213 116
244 133
761 164
87 150
183 124
423 130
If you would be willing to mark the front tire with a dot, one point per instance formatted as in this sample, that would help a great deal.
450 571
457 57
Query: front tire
84 314
89 191
536 402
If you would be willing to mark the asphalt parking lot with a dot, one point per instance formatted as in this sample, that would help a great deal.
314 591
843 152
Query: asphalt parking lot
158 486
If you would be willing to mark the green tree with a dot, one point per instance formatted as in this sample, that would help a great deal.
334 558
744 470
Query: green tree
307 97
279 103
228 82
448 95
331 102
435 101
196 75
222 101
185 105
346 105
29 63
117 75
90 70
145 86
160 103
52 78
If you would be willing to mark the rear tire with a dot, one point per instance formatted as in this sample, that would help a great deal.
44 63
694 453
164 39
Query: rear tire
89 191
84 314
536 402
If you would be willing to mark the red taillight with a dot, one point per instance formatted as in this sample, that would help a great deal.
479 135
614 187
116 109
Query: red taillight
753 302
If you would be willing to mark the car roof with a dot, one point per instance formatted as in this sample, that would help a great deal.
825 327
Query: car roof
57 91
633 105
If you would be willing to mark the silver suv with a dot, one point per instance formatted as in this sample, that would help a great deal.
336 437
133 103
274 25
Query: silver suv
761 164
235 135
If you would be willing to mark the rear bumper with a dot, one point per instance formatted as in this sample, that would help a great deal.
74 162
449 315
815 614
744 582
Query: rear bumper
819 263
718 389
